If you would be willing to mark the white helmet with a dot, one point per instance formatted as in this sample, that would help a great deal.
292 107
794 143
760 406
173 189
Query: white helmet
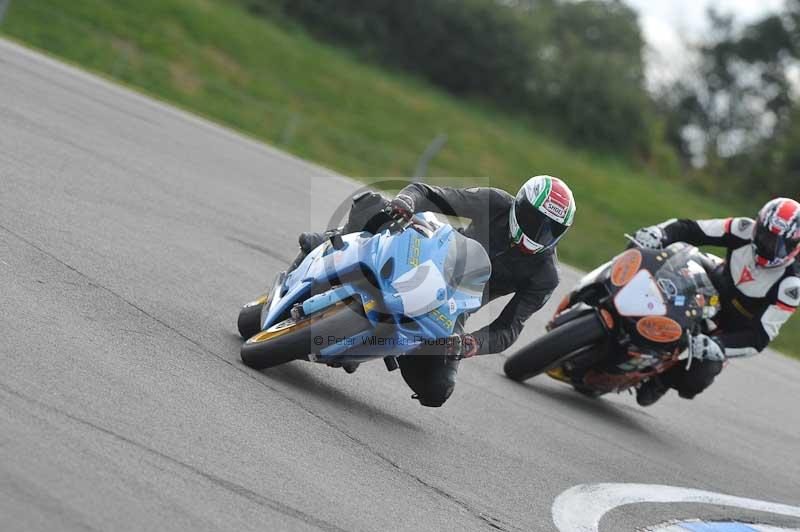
543 211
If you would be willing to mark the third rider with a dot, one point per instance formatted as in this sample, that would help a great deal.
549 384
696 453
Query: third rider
759 287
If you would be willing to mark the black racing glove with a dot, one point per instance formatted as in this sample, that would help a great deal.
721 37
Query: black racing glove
462 346
650 237
402 207
707 348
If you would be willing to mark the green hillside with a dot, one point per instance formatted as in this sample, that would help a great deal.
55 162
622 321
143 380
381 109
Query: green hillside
276 83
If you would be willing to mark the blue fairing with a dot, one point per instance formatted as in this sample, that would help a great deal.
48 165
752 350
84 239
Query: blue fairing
419 284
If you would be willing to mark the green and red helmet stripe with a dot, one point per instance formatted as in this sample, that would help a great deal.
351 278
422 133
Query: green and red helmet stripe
570 215
556 197
562 196
547 209
516 234
545 193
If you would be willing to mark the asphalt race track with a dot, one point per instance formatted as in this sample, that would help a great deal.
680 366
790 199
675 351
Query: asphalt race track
131 233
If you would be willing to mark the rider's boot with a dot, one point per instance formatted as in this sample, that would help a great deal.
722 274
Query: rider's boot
651 391
308 243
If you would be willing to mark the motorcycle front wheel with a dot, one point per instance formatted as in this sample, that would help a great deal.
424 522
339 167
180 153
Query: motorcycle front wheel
249 322
293 339
554 347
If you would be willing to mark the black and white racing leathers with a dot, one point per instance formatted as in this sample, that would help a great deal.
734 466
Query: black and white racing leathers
756 301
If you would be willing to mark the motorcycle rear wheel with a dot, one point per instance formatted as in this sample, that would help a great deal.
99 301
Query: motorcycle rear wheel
554 347
249 322
292 339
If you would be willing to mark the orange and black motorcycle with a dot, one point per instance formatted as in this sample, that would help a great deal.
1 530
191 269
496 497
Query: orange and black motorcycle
625 322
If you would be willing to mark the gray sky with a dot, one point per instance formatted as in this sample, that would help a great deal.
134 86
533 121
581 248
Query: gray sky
668 24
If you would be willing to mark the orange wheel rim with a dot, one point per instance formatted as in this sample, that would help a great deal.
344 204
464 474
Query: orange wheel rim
285 327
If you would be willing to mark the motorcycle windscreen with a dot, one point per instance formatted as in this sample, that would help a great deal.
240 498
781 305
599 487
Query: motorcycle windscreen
685 283
422 290
467 267
641 297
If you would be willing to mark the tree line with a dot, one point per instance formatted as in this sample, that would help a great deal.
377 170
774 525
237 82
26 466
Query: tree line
574 68
737 115
577 69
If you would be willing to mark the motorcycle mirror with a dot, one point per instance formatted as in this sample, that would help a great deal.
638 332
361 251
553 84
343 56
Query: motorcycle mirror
633 241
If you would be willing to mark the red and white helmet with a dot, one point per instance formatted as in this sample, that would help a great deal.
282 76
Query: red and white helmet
543 211
777 233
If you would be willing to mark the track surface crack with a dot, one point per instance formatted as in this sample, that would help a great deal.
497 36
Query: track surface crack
237 489
478 515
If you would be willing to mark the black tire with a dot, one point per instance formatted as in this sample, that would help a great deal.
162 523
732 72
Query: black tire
291 340
554 347
250 321
589 392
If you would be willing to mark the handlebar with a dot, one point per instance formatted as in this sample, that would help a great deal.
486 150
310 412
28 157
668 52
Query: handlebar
416 222
636 243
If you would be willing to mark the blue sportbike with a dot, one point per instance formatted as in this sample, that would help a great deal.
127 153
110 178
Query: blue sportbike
362 296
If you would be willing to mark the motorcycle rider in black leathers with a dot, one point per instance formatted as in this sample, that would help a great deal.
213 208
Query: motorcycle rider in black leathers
519 234
759 286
